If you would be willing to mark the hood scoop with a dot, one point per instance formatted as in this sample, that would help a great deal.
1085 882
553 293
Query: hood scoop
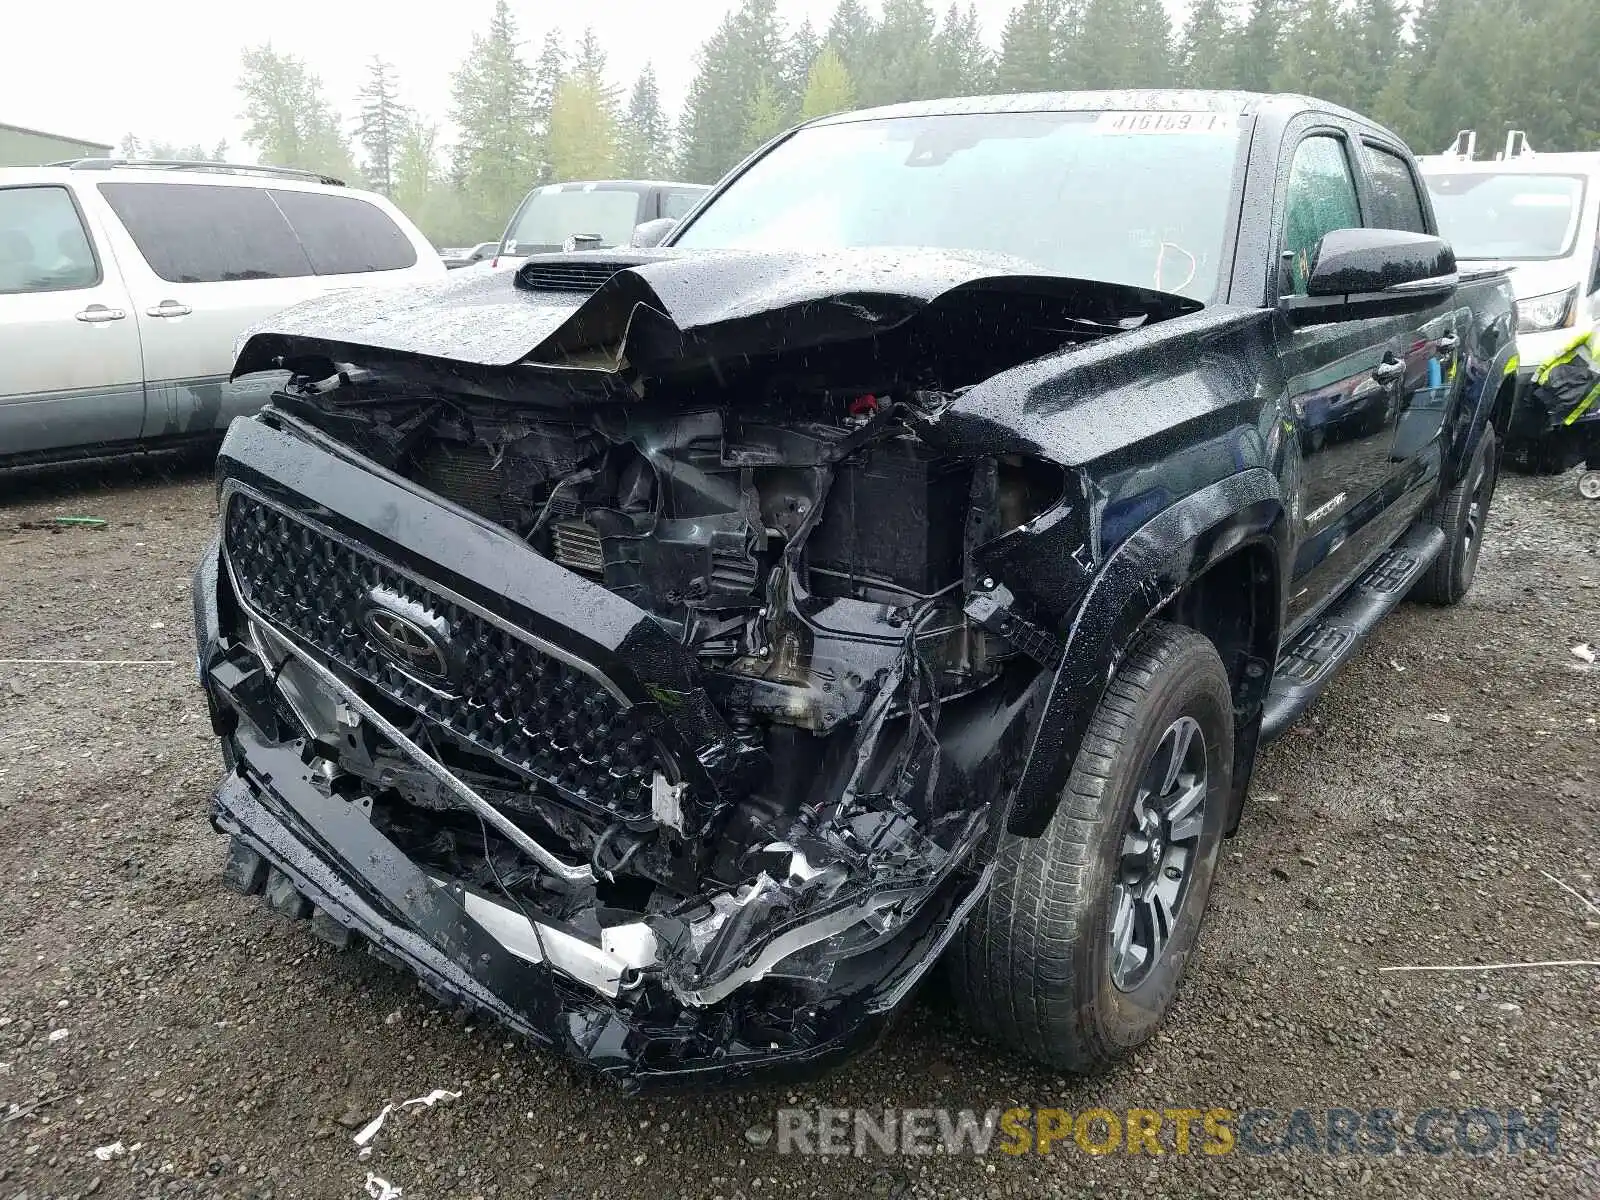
566 275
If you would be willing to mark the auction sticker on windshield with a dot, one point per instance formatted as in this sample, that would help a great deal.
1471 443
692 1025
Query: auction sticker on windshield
1166 122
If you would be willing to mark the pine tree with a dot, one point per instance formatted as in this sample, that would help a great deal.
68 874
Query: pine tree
583 129
589 65
850 33
291 123
497 155
381 124
799 55
1205 53
962 63
193 152
1471 72
733 64
1559 105
1030 48
1123 44
422 192
1259 47
548 72
767 117
901 53
646 151
1320 55
1380 41
414 171
828 88
129 146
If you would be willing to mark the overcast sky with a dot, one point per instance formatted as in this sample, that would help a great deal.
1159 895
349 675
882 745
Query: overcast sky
166 69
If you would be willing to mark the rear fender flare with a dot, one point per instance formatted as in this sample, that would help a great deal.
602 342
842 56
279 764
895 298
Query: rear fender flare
1135 581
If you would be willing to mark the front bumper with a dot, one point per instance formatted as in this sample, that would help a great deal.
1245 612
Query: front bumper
299 848
314 853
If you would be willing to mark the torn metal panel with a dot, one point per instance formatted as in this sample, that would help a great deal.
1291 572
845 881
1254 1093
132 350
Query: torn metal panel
667 312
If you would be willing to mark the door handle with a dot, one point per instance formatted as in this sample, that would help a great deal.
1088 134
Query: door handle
1448 344
1389 370
169 308
99 314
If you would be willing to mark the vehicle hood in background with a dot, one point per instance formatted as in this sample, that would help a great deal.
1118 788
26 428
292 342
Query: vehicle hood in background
1533 278
659 310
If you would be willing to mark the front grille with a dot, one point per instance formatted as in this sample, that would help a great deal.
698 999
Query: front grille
498 694
566 276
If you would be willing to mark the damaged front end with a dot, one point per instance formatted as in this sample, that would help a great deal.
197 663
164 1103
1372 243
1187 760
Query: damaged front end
659 691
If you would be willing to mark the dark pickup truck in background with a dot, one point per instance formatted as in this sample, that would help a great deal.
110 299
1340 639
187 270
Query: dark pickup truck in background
676 652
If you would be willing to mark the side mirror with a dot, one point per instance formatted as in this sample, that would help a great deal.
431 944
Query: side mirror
1357 268
652 233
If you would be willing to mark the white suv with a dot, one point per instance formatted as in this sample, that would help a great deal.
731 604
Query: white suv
123 287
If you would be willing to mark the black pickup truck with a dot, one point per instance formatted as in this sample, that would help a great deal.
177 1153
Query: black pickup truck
676 652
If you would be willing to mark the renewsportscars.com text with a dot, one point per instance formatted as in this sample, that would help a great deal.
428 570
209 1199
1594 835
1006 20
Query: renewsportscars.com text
1207 1132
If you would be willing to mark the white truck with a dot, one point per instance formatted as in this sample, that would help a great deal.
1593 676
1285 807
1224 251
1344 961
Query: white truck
1539 215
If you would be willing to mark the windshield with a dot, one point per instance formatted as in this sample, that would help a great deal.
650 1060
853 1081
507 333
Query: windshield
1141 198
551 215
1516 217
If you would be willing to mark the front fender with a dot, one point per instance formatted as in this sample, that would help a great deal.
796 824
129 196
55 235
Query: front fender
1145 572
1482 393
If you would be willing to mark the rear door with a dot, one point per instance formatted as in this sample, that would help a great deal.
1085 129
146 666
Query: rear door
203 262
1430 334
210 260
70 371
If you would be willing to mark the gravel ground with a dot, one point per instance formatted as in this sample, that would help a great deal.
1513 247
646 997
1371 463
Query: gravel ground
237 1053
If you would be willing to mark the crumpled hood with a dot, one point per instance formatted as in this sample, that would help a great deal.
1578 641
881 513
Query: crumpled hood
664 306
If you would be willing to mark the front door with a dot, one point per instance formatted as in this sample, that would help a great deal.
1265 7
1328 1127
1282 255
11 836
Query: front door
70 371
1346 381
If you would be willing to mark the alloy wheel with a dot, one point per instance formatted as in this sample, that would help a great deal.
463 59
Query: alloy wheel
1159 854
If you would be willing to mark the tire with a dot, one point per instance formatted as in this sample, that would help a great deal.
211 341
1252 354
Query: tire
1033 967
1463 514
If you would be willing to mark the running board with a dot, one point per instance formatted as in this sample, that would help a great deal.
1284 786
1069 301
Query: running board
1318 651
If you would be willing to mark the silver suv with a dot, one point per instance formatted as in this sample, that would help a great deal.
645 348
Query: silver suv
124 285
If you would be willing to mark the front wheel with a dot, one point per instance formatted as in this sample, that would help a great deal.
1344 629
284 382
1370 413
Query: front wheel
1074 955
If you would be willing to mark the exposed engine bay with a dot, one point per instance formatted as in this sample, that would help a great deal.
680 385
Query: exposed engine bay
780 648
818 569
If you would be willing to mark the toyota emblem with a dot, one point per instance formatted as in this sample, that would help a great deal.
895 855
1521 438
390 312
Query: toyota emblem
409 635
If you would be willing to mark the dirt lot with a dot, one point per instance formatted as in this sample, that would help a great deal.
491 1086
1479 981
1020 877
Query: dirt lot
237 1053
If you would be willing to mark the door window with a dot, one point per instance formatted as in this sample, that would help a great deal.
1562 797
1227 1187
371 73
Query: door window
676 204
1396 201
43 244
208 233
1321 198
345 235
